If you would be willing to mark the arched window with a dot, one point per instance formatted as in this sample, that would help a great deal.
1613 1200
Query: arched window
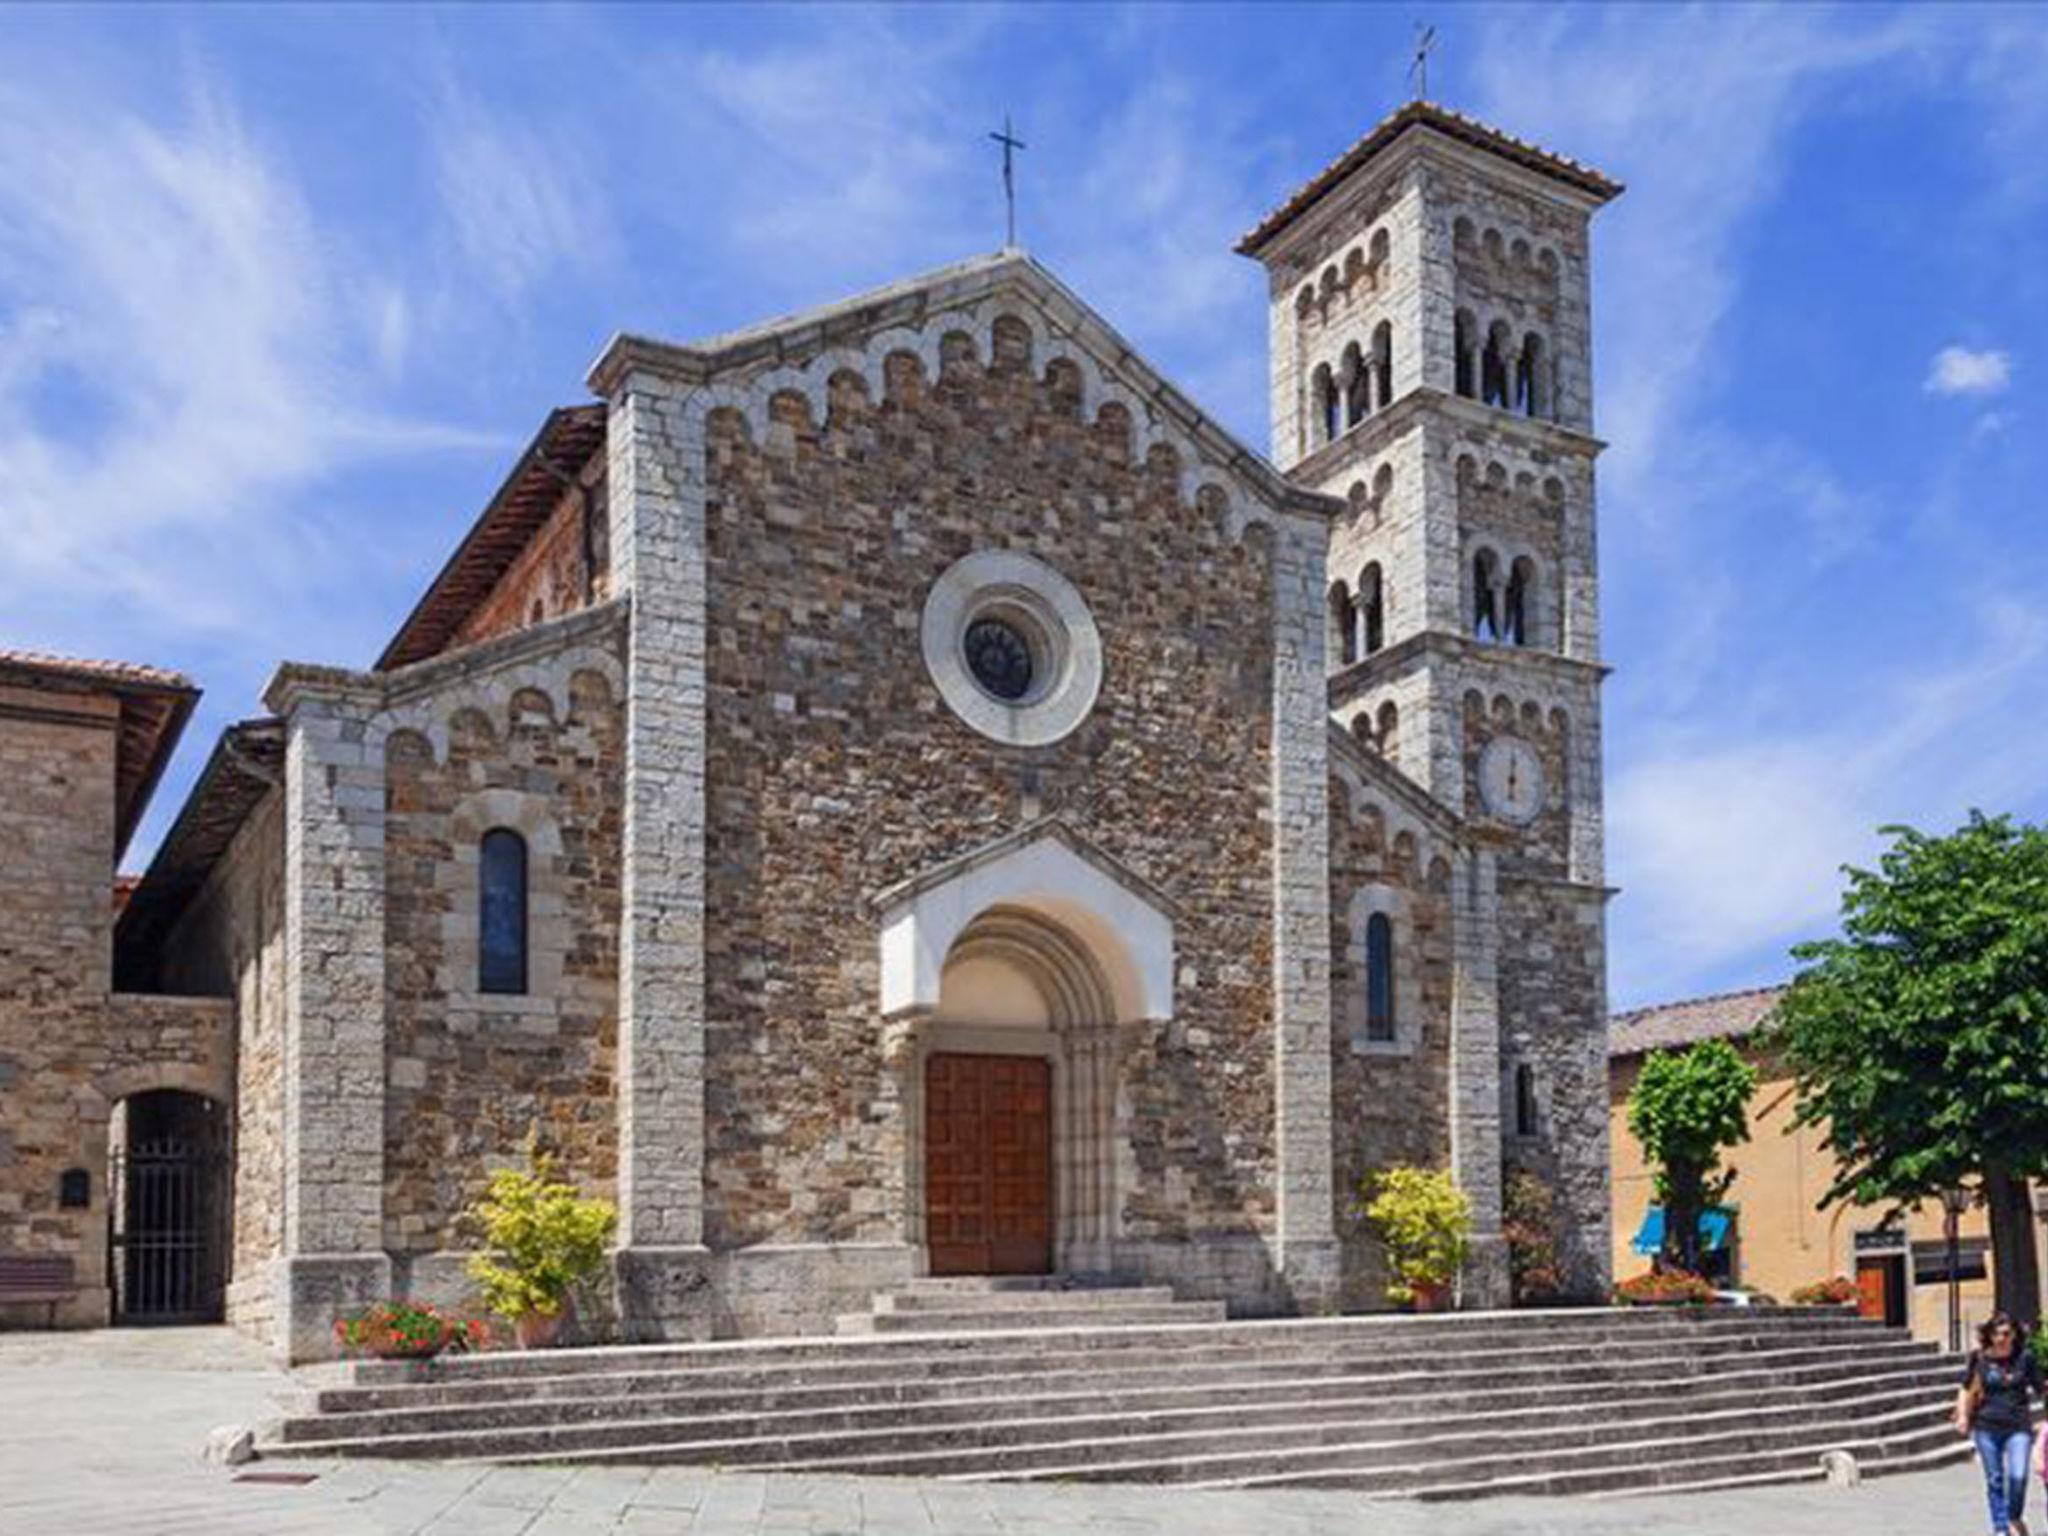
1383 363
1357 388
1326 404
1343 639
1485 615
1464 344
501 912
1389 735
1527 1121
1379 977
1515 609
1372 609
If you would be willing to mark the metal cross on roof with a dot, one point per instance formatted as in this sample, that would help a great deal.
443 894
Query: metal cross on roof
1010 143
1425 44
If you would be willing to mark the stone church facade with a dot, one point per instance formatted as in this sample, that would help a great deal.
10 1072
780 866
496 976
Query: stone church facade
899 790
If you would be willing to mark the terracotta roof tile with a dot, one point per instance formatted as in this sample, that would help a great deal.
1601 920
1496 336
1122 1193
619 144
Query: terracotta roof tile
1427 114
246 763
129 673
1723 1016
155 704
500 534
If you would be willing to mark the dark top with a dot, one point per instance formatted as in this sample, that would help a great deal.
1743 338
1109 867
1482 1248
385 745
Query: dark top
2007 1384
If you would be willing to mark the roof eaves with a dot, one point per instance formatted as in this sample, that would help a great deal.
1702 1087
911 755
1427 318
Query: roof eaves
427 626
1454 125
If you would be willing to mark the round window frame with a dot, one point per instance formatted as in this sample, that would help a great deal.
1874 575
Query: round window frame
1047 609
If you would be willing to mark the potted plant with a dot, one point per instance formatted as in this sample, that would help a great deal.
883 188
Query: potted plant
1424 1221
1664 1288
407 1330
1529 1224
1838 1292
543 1241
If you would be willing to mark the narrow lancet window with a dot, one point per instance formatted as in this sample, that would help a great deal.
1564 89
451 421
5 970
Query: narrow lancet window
501 912
1379 977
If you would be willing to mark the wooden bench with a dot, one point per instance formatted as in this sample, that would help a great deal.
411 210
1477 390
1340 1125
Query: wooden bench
45 1277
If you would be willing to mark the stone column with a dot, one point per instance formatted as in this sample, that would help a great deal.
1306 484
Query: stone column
1305 1222
333 1259
656 465
1475 1074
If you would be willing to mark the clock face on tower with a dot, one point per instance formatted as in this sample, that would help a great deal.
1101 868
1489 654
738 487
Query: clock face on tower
1511 779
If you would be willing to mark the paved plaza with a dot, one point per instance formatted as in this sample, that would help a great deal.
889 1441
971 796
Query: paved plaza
100 1435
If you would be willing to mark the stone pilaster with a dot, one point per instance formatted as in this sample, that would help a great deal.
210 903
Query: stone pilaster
1475 1075
1305 1225
333 1256
656 466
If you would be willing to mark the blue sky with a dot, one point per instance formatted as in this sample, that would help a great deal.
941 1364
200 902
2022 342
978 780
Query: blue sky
281 293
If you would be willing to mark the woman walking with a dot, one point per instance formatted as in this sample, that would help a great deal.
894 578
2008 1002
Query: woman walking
1995 1409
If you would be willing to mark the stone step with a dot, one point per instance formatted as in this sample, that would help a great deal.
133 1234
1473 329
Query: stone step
994 1285
1584 1401
1245 1381
1411 1466
1894 1442
1059 1312
1006 1303
943 1368
1358 1398
1588 1328
1889 1464
1010 1443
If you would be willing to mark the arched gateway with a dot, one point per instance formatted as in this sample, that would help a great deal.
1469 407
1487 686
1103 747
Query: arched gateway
1007 974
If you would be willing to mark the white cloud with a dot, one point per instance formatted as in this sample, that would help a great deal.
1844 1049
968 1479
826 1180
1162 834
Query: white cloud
1726 846
1961 371
184 353
518 198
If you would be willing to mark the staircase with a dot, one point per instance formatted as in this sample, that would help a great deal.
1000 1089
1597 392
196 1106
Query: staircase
1028 1381
1004 1302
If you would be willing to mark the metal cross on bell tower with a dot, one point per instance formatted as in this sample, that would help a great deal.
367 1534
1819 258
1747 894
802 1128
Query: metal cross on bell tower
1425 45
1010 143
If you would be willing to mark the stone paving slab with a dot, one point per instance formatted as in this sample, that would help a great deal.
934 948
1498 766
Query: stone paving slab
100 1434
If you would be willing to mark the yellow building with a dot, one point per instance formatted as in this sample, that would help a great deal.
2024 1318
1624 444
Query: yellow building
1777 1238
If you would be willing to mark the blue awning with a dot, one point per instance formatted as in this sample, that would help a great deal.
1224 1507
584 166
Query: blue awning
1715 1221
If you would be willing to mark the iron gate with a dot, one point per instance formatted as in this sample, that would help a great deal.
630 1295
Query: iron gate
166 1209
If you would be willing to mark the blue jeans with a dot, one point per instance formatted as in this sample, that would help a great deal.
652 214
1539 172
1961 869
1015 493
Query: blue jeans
2005 1474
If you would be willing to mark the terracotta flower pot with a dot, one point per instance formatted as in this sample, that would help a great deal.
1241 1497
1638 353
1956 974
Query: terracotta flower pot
1430 1296
538 1330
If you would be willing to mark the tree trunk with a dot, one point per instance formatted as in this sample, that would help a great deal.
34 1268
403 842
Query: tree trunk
1684 1196
2015 1267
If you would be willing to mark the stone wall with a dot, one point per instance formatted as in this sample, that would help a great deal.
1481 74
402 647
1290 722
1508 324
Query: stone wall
1553 1019
836 769
229 943
1390 1099
471 1074
70 1049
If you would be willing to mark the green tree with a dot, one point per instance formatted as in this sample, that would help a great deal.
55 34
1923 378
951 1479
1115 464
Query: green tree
1919 1038
1685 1108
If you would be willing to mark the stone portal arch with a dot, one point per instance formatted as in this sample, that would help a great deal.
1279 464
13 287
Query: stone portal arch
1006 976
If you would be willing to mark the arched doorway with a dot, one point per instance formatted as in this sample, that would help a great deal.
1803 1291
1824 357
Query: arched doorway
167 1207
1018 1089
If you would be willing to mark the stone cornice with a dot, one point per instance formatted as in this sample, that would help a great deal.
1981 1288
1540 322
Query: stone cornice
1054 827
916 307
296 682
1363 675
1386 776
1417 409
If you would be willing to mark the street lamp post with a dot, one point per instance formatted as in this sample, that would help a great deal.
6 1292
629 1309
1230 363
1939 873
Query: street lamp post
1953 1202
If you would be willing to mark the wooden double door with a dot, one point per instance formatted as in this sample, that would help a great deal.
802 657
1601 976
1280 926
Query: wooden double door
988 1164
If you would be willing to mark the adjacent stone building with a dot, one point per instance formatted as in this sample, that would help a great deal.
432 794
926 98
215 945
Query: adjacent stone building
899 789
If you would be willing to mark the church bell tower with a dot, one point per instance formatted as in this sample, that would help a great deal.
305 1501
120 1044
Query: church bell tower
1431 366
